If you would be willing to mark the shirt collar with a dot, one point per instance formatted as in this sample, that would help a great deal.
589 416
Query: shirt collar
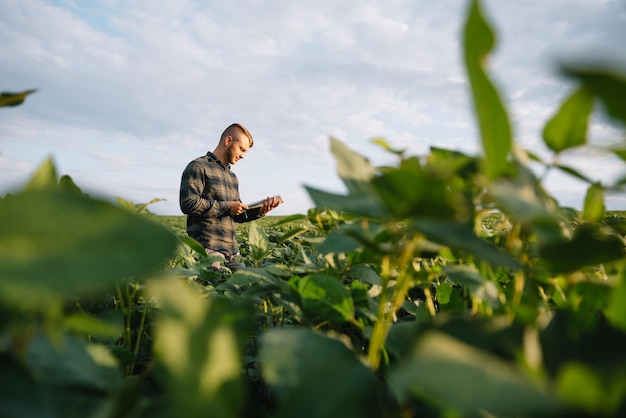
212 157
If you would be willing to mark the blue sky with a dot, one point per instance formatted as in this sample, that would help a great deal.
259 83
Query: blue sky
129 92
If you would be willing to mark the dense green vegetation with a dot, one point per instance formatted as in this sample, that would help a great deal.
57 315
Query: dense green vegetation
446 285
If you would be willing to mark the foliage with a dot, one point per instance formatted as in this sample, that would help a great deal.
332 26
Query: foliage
447 285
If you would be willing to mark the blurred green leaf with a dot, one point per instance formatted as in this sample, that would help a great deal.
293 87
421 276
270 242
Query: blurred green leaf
451 162
493 121
14 99
606 85
582 386
21 395
356 173
467 381
316 377
57 242
406 193
73 362
193 244
469 277
199 343
524 201
361 205
66 183
594 210
616 311
589 246
460 236
568 127
92 326
385 145
78 377
444 291
44 178
292 233
573 172
340 240
364 274
354 169
324 298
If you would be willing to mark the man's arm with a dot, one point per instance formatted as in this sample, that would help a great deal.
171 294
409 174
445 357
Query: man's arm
191 199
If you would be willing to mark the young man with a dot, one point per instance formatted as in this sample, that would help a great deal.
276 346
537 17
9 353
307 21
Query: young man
209 196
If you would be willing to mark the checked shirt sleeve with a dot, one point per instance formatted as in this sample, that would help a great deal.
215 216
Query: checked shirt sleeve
194 199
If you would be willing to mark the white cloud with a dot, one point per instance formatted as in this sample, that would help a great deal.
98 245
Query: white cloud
129 93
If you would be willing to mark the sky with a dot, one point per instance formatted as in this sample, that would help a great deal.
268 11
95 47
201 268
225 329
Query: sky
128 91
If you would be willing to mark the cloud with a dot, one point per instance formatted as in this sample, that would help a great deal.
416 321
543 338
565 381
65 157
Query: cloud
129 93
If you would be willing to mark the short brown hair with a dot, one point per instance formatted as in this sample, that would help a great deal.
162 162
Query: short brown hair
237 127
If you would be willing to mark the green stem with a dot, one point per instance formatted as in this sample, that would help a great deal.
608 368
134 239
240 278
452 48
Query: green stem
386 312
142 324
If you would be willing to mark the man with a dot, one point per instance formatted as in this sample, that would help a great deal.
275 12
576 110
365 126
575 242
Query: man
209 196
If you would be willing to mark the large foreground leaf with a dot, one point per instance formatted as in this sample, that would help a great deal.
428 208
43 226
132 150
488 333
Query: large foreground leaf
464 379
316 377
589 246
493 121
20 394
199 343
62 242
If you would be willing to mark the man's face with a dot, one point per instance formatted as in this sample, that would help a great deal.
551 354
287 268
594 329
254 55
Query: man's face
237 148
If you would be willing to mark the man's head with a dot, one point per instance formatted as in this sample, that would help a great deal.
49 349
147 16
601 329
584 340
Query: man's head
234 143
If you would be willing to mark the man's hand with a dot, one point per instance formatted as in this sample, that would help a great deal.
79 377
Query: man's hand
237 208
269 204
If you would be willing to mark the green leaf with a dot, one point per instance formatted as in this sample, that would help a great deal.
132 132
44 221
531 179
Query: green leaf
339 241
589 246
469 277
62 243
21 395
444 291
364 274
568 127
258 242
73 362
524 202
385 145
66 183
467 381
316 377
573 172
354 169
92 326
616 311
594 209
14 99
324 298
607 86
461 236
44 178
79 377
292 233
493 122
290 218
580 385
366 205
410 194
199 344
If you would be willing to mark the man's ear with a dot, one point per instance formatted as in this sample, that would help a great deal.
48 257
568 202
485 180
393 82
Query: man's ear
228 140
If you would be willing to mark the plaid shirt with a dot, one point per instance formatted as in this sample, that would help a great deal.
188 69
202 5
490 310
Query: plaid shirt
206 188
